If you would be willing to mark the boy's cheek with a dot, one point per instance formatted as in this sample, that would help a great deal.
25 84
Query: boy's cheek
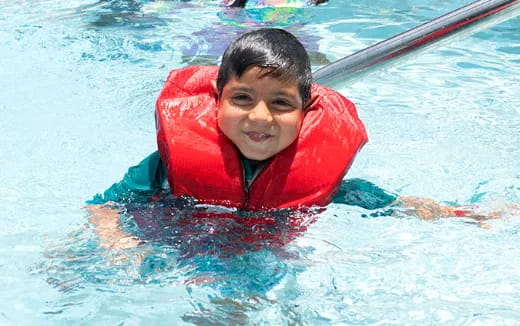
226 122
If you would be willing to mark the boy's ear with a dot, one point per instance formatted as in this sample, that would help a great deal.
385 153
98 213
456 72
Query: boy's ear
214 88
313 101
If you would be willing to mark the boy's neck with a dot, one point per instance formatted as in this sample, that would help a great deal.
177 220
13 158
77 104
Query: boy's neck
251 169
255 164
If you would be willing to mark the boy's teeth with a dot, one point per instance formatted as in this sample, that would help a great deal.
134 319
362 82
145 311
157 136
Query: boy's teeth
258 136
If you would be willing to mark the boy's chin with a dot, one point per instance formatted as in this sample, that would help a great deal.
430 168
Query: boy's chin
257 156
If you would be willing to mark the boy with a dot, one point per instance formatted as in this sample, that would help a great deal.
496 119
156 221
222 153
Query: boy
256 136
249 137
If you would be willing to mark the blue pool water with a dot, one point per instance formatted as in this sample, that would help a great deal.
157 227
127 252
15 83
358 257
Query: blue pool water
78 81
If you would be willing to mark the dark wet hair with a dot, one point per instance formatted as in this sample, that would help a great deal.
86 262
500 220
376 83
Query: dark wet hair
236 3
274 49
242 3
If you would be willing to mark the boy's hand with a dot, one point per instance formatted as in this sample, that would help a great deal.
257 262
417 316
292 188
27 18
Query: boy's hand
498 209
428 209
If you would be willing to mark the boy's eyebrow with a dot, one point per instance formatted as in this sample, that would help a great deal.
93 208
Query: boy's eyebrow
242 88
252 90
284 93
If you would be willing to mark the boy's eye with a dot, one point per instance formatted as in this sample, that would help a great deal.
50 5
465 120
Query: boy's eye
282 104
241 99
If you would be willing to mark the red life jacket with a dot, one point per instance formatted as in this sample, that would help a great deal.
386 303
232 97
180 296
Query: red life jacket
203 163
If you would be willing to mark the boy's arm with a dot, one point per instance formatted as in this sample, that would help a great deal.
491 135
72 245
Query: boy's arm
105 220
359 192
139 184
428 209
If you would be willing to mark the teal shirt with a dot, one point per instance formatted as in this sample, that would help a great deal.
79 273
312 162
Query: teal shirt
139 184
148 178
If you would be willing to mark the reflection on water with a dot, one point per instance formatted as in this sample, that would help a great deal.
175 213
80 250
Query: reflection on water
202 45
125 14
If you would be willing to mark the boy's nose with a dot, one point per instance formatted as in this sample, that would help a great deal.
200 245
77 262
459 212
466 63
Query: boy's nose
260 113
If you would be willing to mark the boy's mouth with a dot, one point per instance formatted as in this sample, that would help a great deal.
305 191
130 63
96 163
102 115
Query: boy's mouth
257 136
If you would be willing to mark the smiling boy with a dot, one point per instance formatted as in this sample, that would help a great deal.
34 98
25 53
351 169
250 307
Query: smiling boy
248 134
260 114
253 134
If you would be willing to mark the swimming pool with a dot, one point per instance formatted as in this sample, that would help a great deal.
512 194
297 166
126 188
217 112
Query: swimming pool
78 85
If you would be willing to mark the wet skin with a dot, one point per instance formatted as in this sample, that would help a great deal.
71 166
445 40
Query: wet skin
262 115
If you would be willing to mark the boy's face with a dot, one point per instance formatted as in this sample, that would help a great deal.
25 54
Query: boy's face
260 114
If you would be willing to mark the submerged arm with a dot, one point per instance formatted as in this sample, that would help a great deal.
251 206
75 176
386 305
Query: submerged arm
105 220
139 184
427 209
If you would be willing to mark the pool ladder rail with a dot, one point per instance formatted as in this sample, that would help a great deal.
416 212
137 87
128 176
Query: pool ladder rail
458 23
